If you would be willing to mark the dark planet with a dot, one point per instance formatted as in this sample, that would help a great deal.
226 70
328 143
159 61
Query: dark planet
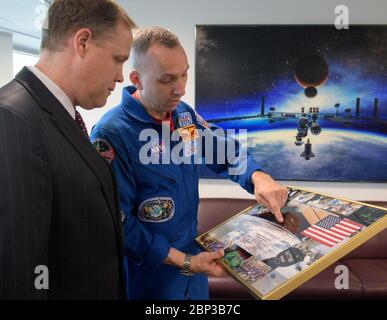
310 92
311 71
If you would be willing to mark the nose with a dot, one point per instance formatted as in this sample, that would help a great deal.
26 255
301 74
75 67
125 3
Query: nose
120 76
179 88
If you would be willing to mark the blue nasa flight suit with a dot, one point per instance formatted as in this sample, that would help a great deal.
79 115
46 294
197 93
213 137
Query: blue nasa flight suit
159 202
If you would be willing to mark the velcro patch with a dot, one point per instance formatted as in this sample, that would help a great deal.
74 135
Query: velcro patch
188 133
185 119
201 121
105 149
158 209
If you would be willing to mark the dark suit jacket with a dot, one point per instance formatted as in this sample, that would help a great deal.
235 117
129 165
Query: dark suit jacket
58 201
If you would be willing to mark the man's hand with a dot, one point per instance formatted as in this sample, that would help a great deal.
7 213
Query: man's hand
269 193
205 262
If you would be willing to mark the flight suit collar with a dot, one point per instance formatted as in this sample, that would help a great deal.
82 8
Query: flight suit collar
134 107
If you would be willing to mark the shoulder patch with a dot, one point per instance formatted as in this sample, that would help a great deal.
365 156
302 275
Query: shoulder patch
201 121
105 149
185 119
188 133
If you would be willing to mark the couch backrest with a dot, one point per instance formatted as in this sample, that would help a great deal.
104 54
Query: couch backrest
213 211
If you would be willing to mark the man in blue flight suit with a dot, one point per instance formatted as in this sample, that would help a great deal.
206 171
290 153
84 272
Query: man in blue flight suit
150 140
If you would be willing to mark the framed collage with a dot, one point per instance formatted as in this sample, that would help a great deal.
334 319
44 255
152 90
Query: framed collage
271 259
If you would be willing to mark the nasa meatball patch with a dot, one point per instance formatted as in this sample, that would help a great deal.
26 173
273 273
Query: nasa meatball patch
105 149
156 209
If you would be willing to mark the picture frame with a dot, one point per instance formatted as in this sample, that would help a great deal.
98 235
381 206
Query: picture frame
271 259
310 96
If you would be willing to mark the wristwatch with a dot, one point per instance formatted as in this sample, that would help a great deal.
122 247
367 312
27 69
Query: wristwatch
186 264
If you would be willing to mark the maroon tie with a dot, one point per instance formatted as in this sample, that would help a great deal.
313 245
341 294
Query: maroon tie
81 124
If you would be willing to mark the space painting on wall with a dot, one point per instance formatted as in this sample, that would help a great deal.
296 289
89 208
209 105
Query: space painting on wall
312 98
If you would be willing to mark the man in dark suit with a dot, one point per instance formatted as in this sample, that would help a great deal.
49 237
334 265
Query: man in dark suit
60 228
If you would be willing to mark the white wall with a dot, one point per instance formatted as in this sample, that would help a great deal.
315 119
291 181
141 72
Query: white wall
6 73
181 16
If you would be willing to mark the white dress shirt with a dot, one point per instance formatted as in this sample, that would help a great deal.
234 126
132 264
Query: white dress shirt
55 90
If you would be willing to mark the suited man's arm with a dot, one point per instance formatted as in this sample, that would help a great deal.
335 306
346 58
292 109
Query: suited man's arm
25 209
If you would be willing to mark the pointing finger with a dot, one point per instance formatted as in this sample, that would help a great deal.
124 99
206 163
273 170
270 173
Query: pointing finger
278 215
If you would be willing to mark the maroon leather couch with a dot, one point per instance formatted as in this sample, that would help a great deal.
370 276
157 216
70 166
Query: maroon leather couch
367 264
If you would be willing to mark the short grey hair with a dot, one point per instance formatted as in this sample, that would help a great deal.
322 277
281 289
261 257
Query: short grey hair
145 37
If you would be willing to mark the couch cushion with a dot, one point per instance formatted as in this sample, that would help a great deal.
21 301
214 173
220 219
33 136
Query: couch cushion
322 286
373 248
373 275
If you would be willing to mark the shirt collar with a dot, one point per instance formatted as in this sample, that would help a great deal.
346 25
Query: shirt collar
55 90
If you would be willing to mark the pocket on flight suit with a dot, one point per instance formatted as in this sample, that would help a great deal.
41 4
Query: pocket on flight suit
158 206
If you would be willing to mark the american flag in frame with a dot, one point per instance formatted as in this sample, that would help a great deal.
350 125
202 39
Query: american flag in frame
331 230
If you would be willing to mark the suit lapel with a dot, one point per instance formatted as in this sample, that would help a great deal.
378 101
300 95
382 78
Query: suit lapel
70 130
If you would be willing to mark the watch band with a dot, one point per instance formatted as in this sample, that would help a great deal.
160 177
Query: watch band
186 265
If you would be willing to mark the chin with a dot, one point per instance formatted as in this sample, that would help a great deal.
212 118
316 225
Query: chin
100 103
171 108
90 106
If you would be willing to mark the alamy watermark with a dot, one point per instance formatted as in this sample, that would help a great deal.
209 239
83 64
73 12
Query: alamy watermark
206 146
42 280
342 280
342 18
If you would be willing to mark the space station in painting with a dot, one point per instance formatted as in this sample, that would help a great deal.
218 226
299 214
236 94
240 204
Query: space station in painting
312 98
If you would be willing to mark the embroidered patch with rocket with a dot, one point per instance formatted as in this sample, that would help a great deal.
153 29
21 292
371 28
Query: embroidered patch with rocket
105 149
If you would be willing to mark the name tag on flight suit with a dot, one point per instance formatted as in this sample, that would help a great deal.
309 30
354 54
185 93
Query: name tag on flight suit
188 133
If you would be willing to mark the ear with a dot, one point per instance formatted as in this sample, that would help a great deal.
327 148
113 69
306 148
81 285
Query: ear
82 40
134 77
